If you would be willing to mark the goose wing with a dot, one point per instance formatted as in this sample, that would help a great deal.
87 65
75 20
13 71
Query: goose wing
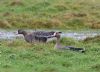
43 33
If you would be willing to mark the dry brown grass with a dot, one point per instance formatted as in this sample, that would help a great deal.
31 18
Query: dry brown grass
7 14
92 39
68 15
16 2
4 24
52 23
73 15
95 25
60 7
79 14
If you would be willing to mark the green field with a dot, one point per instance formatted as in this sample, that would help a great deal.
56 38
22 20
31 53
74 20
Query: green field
19 56
66 14
75 15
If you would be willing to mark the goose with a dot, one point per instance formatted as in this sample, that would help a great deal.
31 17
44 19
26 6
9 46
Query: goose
40 36
27 36
58 45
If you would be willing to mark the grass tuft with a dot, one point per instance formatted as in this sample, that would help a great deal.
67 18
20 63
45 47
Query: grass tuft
4 24
16 2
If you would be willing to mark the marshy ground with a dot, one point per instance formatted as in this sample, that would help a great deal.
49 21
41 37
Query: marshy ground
16 55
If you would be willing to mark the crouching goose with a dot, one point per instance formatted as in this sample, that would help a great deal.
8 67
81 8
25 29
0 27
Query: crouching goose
59 46
37 36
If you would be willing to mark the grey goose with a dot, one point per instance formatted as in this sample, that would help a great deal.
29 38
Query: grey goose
58 45
40 36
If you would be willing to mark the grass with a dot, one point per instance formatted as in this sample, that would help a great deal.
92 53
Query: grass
59 14
19 56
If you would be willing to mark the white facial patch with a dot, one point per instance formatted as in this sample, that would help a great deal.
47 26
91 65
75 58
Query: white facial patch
55 34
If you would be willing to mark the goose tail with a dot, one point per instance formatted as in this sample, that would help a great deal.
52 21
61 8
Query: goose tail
75 49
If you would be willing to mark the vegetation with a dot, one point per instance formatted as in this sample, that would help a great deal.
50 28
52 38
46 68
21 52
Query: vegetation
19 56
66 14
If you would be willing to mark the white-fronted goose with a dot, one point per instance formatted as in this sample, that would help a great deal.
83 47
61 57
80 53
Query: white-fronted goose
59 46
40 36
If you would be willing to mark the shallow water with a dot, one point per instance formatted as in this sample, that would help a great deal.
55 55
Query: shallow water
80 35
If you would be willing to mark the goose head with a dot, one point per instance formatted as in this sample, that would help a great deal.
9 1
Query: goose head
20 31
57 34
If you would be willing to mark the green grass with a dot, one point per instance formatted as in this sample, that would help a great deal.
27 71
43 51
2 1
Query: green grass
19 56
59 14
